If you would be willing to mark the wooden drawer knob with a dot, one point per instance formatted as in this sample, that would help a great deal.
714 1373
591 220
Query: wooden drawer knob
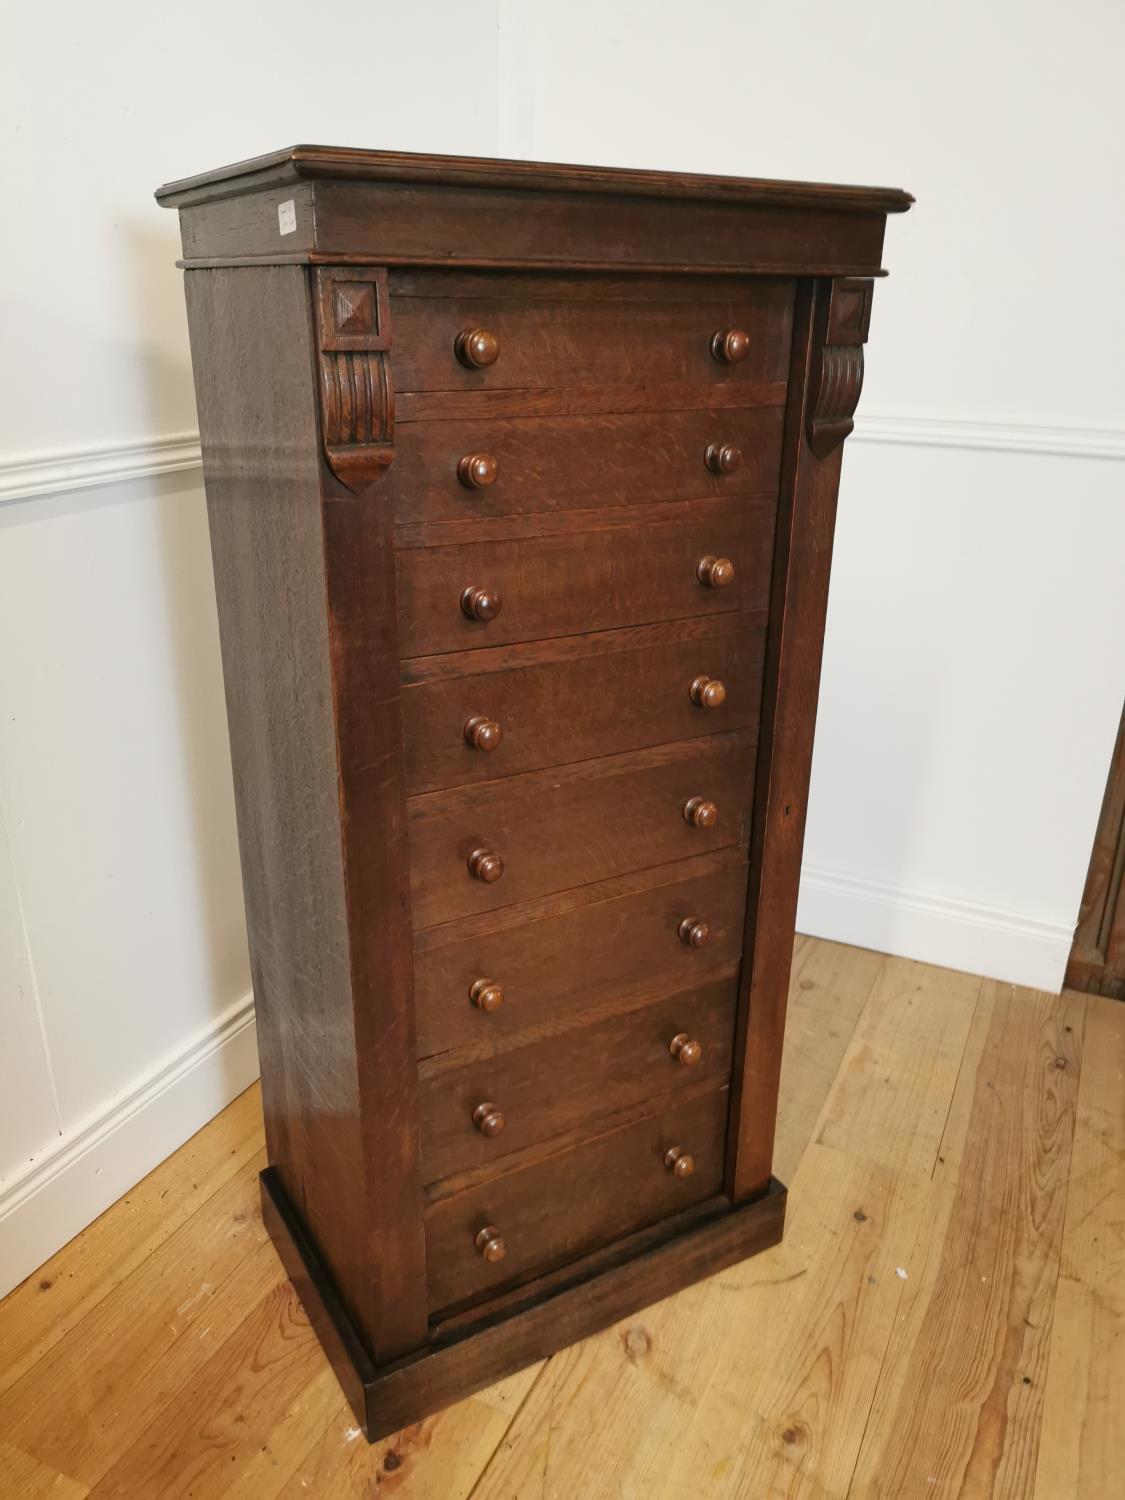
694 933
700 813
481 604
483 733
488 1119
678 1162
477 471
720 458
708 692
491 1245
713 572
486 996
477 348
485 865
730 346
685 1049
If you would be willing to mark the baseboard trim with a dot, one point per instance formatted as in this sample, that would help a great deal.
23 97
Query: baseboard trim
66 1186
941 930
64 470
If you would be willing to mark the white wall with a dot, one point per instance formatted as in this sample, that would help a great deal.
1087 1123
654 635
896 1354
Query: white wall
973 671
975 657
125 1012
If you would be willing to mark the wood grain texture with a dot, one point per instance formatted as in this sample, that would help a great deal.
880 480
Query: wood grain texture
43 1309
564 1206
527 433
829 990
622 1411
592 342
589 696
559 963
1097 959
306 614
754 1383
570 583
1082 1450
574 463
915 1029
296 164
725 401
567 1076
575 824
960 1398
805 527
118 1370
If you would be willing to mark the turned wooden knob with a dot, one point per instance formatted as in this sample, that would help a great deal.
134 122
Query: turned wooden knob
714 572
700 813
708 692
486 996
485 865
685 1049
490 1243
477 348
720 458
482 604
488 1119
694 933
730 346
483 733
477 471
678 1162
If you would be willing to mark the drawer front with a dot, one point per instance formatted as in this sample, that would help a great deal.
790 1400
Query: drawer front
584 696
529 464
591 341
551 830
593 953
573 1203
478 1112
579 581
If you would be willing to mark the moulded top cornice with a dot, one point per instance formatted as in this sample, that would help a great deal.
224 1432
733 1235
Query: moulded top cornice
345 164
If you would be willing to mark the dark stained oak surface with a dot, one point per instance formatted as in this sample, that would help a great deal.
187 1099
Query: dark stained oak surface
566 1205
570 1075
578 462
588 341
582 697
521 481
573 824
352 164
639 570
609 944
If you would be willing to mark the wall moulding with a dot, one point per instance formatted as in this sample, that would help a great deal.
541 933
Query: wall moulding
56 471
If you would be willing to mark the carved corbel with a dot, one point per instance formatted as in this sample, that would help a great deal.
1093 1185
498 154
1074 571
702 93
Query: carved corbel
837 376
357 399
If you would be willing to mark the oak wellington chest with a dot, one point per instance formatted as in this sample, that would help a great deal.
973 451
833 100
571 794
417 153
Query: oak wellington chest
521 483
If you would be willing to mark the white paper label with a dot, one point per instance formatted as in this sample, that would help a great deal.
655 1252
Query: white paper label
286 217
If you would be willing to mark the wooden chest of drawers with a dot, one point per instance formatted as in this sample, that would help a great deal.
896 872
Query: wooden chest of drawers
521 483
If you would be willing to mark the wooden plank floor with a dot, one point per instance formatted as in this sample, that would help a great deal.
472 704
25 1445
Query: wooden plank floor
946 1315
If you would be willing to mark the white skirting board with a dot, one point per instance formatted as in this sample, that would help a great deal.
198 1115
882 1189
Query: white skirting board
66 1186
953 934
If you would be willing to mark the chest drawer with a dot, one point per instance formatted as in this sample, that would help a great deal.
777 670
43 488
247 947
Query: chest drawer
574 1202
637 936
449 471
594 336
479 847
664 564
473 716
476 1113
